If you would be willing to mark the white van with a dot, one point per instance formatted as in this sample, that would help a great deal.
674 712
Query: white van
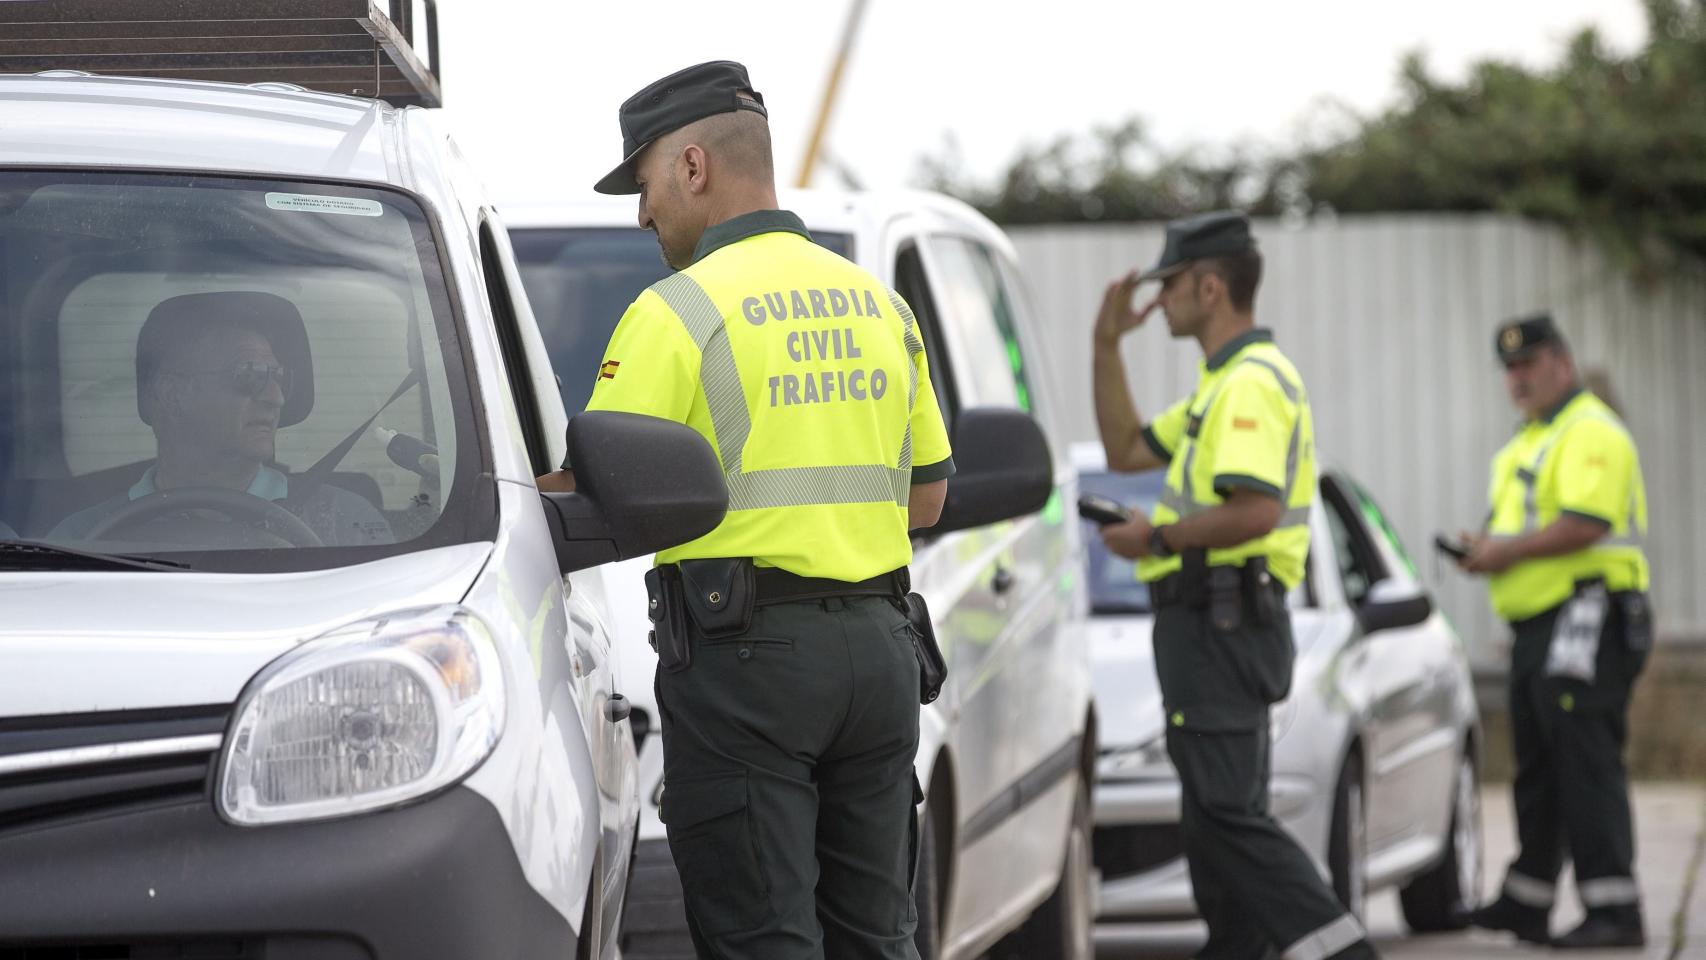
1007 754
293 662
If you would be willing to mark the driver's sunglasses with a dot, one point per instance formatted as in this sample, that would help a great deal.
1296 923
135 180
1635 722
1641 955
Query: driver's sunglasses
250 377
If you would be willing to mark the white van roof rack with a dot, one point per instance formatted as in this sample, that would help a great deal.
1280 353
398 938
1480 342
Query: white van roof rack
366 48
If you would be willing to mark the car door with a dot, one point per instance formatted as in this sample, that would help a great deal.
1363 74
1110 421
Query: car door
1004 616
1421 715
1389 675
590 681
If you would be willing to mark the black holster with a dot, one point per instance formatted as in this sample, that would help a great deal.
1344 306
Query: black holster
1637 613
668 613
1264 597
1225 598
932 666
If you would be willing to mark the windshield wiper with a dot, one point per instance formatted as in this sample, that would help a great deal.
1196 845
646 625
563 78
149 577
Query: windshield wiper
31 555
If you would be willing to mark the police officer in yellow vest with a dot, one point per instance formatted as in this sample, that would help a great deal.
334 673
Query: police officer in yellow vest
788 681
1228 538
1562 549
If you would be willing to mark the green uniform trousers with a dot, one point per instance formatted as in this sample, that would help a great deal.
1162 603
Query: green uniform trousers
1255 887
1572 791
789 795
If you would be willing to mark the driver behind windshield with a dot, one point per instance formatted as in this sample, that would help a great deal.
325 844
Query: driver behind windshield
211 383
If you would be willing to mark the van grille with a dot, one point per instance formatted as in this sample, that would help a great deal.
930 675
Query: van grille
61 765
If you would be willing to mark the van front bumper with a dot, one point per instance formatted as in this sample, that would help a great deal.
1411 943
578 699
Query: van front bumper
438 878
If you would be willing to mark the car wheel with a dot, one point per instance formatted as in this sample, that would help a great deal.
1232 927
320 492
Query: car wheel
1441 898
926 891
1347 848
1061 927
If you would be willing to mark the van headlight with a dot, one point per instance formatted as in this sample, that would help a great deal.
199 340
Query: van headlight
370 715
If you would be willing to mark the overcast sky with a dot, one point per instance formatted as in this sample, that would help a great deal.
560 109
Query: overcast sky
532 86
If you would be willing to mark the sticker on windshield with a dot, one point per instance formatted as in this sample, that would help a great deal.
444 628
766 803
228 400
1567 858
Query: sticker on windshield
311 203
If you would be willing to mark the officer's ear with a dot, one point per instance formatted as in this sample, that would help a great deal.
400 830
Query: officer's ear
1210 286
694 169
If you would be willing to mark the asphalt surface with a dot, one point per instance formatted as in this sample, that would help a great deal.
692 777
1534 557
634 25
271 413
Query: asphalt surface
1670 826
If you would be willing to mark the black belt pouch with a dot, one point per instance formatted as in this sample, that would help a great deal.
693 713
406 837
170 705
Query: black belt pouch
669 618
932 666
720 595
1263 595
1637 620
1226 598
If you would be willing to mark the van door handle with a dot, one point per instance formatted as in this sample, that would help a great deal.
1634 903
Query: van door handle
617 708
1003 581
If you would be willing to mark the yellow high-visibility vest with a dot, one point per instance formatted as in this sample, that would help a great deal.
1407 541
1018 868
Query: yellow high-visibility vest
807 376
1581 461
1247 425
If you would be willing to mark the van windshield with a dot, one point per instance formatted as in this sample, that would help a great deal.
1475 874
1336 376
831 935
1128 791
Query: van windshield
246 375
581 280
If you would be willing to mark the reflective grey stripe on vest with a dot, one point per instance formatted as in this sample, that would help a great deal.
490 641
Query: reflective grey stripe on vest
731 423
914 347
1530 477
1185 504
723 392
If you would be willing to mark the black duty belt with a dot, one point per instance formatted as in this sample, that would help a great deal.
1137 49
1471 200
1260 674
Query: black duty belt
1191 587
1169 591
775 585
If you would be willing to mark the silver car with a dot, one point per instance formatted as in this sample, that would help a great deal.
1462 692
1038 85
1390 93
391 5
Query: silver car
296 661
1375 752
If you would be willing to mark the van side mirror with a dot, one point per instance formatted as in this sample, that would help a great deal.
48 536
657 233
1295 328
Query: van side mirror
642 484
1391 604
1003 469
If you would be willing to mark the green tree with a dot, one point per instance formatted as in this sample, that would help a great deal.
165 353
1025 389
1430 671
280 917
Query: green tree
1611 147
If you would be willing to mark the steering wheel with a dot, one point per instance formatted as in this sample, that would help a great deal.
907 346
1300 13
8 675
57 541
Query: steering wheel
231 503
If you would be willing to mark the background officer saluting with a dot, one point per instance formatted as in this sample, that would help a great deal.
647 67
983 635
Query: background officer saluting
1230 535
788 681
1567 571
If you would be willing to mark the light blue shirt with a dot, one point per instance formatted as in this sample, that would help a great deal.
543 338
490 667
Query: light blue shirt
337 516
268 484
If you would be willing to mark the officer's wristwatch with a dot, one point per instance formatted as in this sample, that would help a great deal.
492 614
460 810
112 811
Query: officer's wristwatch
1158 542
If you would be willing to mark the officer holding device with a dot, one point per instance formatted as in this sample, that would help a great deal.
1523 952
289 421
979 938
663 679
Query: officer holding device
1228 537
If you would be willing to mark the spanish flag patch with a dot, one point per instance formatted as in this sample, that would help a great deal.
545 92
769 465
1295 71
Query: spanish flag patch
608 370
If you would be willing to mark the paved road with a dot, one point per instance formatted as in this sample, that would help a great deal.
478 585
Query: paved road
1670 822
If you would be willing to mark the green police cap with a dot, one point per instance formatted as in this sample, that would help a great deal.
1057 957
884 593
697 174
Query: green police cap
1218 234
1520 337
677 100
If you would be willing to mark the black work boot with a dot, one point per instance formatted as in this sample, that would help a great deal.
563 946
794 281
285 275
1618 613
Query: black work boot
1528 923
1610 927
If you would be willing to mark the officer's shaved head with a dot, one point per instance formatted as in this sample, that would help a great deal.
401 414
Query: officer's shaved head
737 142
702 174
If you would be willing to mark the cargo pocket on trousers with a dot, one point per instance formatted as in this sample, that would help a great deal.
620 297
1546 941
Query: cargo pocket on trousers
711 839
